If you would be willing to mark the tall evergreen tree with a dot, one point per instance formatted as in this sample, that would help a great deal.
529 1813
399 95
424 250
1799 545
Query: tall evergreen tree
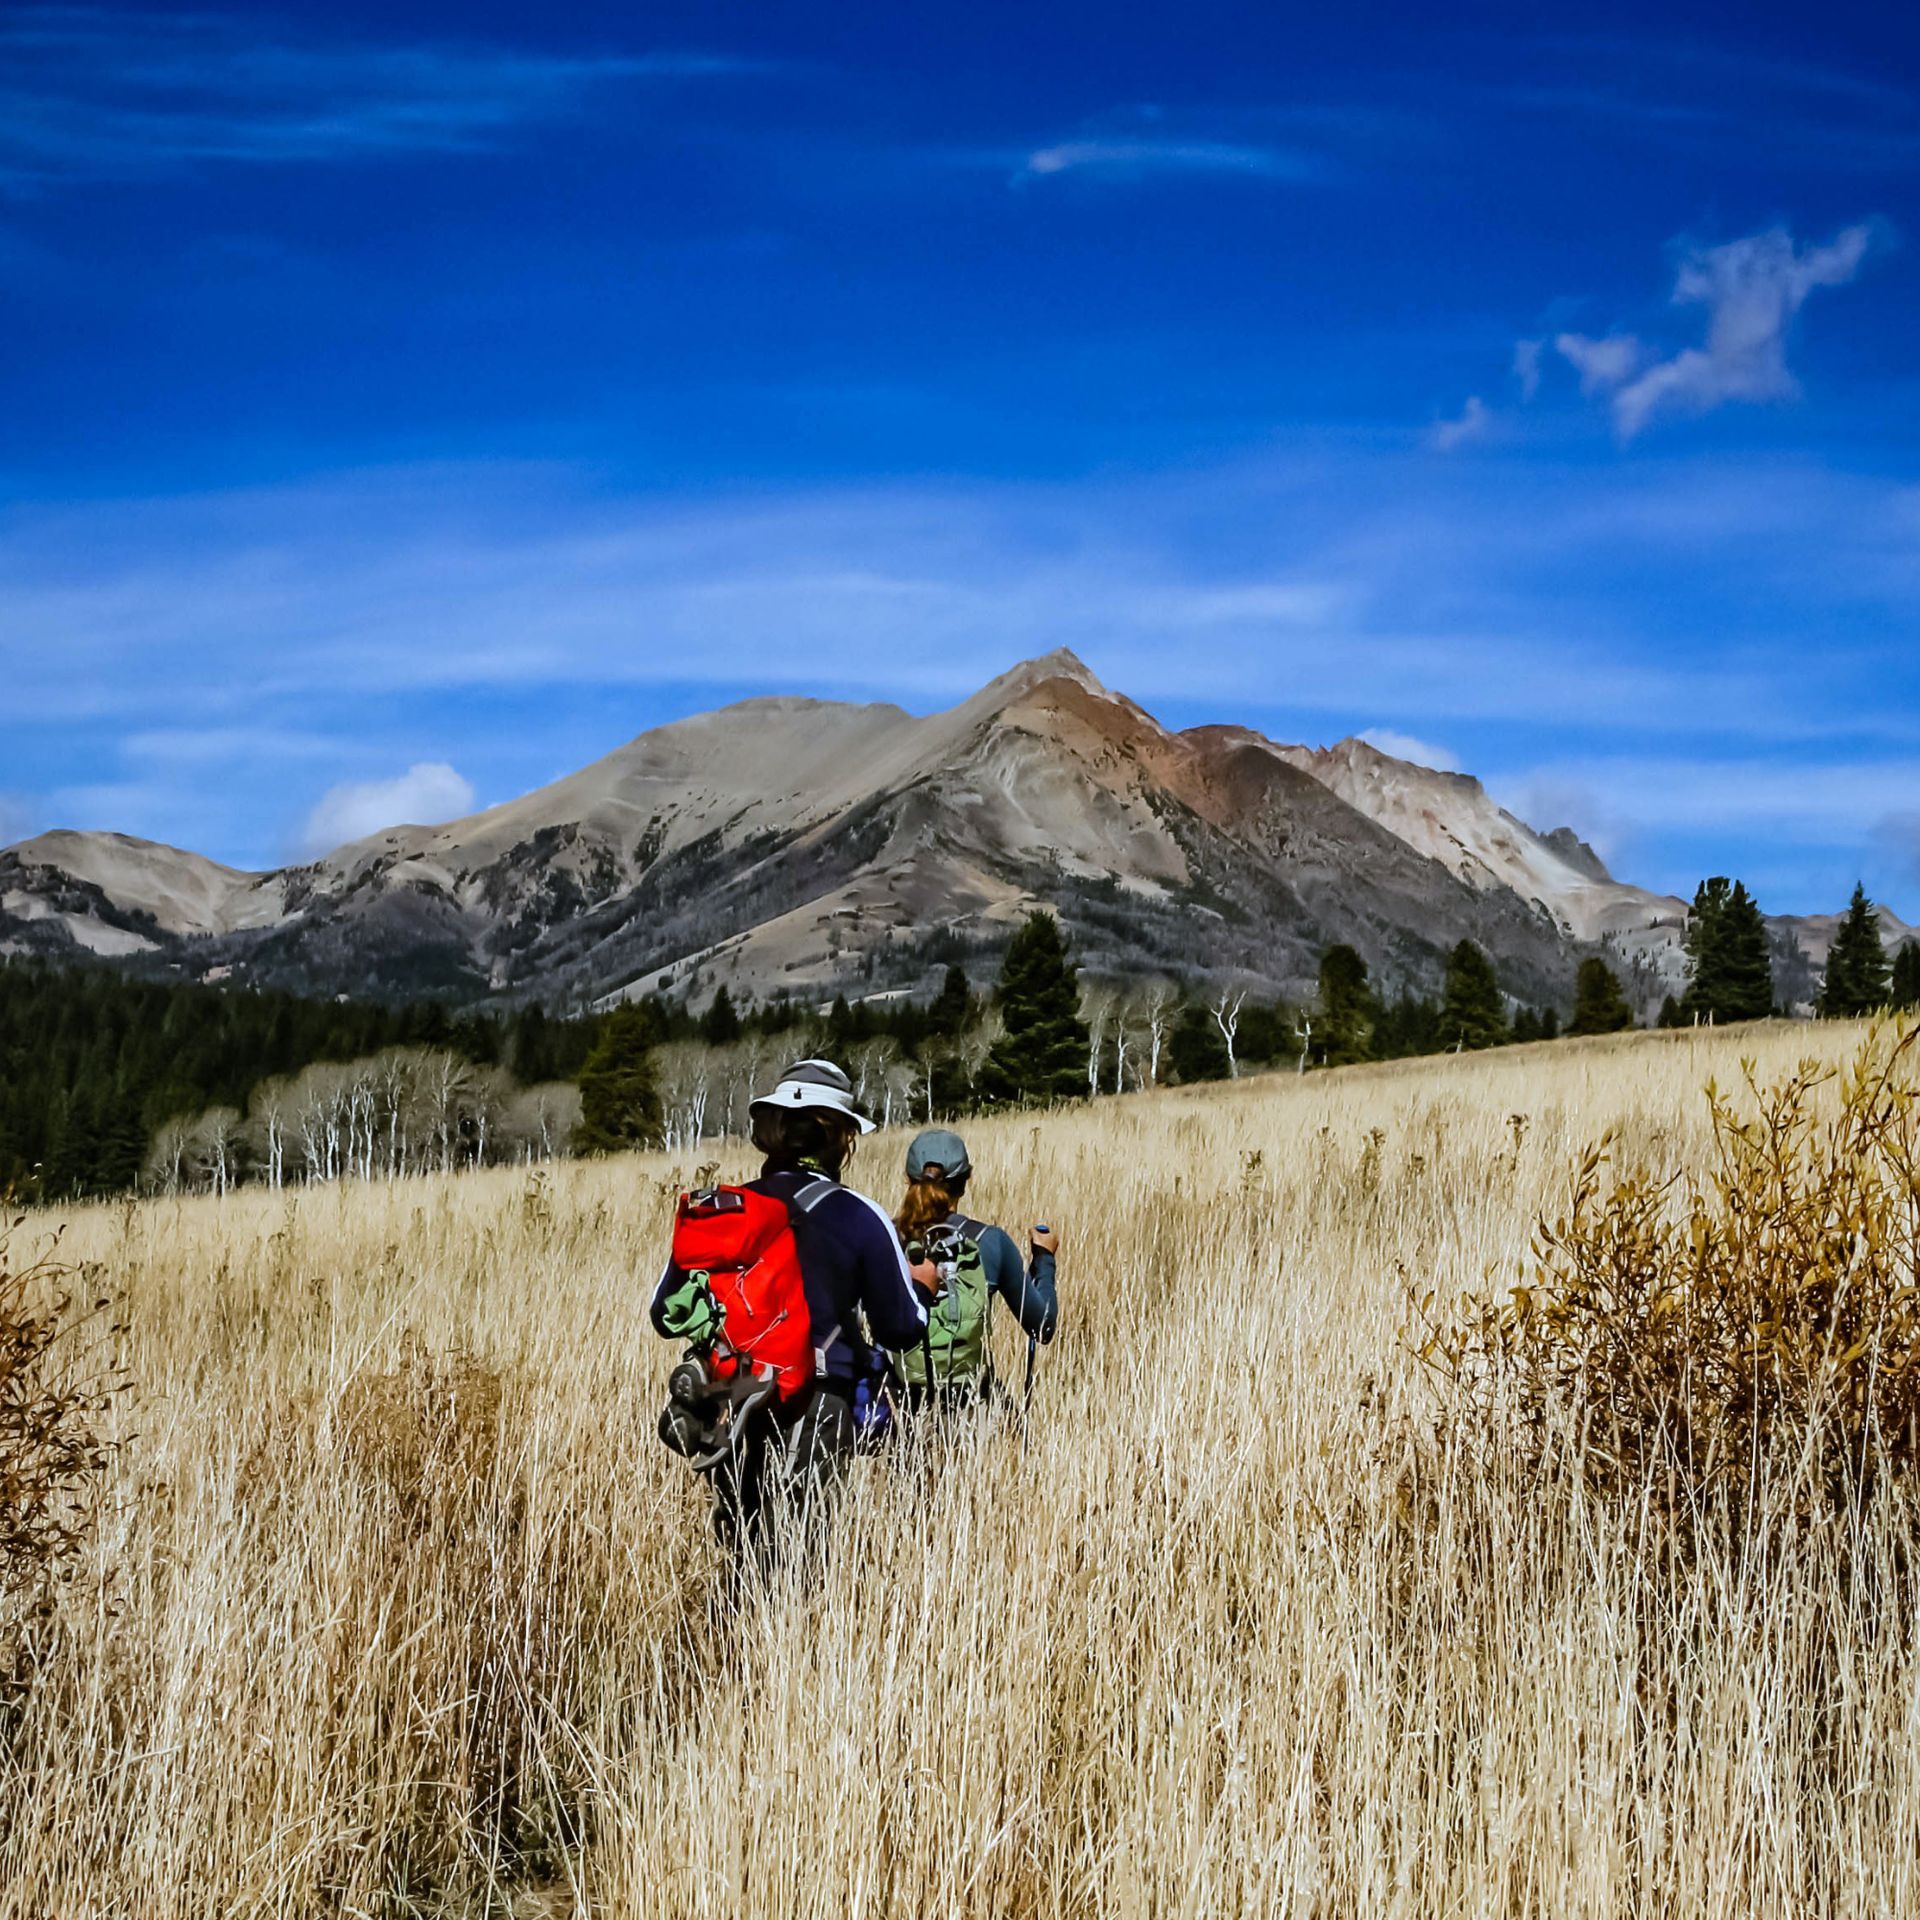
1598 1004
1729 961
1042 1054
1749 958
1408 1027
1348 1011
619 1106
721 1027
1857 979
1904 990
1196 1049
1473 1014
952 1006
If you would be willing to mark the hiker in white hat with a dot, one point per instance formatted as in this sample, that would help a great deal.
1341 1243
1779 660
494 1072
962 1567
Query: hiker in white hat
851 1270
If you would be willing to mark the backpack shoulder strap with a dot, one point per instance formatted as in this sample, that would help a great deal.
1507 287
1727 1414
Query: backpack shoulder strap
967 1229
810 1192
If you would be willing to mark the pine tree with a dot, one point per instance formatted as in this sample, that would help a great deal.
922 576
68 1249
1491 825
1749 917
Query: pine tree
1472 1014
1749 958
842 1029
952 1006
1857 979
1904 991
619 1106
1670 1013
1729 960
1196 1049
1526 1026
721 1027
1348 1011
1408 1027
1550 1023
1042 1054
1598 1004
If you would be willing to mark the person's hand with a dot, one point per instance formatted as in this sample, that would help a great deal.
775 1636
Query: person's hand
1046 1239
926 1276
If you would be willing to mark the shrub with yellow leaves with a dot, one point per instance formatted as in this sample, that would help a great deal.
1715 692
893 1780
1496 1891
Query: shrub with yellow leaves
1750 1328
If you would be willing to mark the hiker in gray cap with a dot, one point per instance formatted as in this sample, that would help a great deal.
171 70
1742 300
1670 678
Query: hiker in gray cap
960 1263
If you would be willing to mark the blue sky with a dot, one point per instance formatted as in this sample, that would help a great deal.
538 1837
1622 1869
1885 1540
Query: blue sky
401 405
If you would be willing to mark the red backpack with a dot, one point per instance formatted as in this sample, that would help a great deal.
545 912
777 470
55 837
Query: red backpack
742 1241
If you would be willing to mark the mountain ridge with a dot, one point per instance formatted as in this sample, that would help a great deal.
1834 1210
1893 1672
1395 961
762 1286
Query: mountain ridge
790 844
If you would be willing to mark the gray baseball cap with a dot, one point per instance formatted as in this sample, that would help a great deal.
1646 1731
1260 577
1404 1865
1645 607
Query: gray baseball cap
938 1147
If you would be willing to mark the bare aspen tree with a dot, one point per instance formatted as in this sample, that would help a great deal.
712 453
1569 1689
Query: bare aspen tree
269 1113
210 1159
1226 1016
900 1088
683 1076
1159 1005
1123 1016
167 1156
1096 1011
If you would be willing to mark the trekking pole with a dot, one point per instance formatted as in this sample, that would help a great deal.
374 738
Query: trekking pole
1026 1392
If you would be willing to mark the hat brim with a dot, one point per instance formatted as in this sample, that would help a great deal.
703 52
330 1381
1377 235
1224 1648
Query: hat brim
797 1097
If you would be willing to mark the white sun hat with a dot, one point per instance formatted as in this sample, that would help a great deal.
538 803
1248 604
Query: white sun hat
818 1084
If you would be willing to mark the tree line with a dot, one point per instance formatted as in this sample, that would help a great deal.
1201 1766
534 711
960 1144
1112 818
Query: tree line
107 1083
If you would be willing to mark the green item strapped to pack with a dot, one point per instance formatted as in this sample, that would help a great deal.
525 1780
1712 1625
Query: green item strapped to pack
690 1312
957 1320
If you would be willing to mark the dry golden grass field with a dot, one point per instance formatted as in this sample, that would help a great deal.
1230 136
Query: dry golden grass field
400 1606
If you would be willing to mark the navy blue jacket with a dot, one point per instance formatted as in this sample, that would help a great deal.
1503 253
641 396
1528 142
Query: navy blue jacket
851 1265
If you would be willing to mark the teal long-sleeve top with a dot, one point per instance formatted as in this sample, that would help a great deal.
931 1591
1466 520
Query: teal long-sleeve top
1029 1291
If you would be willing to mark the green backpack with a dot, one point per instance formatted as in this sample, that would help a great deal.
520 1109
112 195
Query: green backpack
957 1320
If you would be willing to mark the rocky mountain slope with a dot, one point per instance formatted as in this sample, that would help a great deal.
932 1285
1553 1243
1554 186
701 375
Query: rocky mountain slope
806 846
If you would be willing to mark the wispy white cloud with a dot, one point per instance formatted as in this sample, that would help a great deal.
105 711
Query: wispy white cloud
1546 799
95 92
1406 746
1133 159
1148 142
426 794
1604 364
1469 426
1526 366
1751 289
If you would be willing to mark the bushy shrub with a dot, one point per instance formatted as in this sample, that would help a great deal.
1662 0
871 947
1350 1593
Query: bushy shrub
56 1394
1693 1337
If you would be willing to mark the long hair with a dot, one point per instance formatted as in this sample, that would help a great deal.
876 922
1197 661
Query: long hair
928 1202
804 1137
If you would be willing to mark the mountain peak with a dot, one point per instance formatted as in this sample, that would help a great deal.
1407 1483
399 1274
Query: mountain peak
1061 664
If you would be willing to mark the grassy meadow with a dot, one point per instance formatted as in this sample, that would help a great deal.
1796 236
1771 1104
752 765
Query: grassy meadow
400 1606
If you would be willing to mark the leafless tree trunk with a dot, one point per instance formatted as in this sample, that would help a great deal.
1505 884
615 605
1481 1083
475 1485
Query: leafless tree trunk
1122 1044
1099 1010
1161 1001
1226 1016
